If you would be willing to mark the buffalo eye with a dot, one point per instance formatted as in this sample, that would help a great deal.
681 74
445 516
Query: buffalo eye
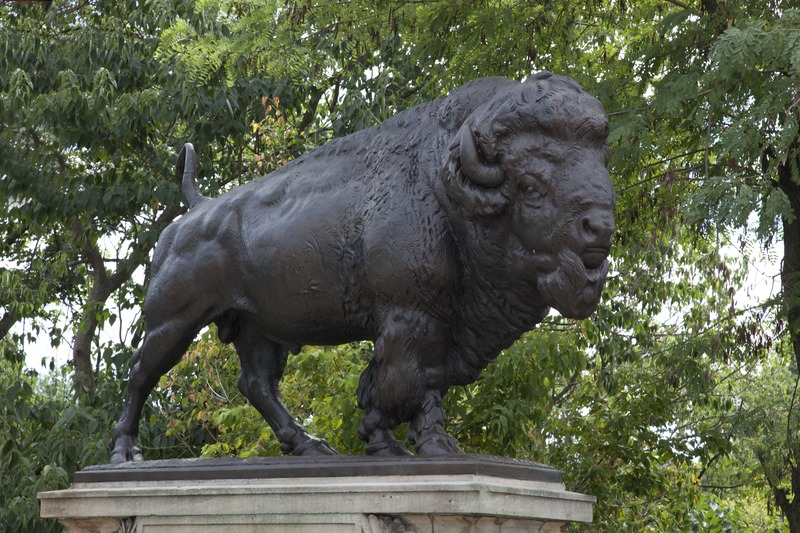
534 195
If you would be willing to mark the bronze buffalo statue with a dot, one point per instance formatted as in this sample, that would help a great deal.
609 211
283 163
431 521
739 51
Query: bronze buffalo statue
442 235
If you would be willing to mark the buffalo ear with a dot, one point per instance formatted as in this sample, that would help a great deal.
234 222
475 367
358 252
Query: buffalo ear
478 186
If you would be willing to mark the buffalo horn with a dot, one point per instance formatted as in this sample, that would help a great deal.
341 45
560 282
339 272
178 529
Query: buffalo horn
478 170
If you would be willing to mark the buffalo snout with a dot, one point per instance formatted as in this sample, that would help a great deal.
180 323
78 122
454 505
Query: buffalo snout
595 228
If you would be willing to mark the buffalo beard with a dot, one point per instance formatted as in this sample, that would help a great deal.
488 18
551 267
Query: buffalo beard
569 288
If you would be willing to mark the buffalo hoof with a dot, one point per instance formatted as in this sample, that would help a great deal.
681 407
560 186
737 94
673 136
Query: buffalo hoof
387 448
314 446
125 450
437 444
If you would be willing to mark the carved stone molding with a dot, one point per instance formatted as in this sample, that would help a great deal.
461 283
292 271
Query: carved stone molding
384 524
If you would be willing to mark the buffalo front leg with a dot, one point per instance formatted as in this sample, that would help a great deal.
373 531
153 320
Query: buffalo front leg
427 428
403 382
263 363
377 426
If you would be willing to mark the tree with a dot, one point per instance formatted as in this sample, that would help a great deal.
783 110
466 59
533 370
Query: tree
640 405
91 116
724 76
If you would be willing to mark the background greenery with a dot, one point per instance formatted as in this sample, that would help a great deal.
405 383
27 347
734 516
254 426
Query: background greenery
675 404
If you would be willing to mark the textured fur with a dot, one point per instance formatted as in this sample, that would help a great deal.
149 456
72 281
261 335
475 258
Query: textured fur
391 234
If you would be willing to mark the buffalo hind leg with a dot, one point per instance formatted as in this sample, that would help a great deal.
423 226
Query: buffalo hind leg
161 349
263 363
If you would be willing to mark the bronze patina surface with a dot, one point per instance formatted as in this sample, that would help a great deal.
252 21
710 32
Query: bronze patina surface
442 235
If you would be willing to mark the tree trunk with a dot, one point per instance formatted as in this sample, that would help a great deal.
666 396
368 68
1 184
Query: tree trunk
788 507
790 272
103 285
789 500
85 332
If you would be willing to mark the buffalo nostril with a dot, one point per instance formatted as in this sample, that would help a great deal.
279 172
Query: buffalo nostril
597 230
588 228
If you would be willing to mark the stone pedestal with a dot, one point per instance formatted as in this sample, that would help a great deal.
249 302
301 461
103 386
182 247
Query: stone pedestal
465 493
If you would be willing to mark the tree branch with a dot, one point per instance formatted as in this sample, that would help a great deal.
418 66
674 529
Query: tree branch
89 250
72 9
681 4
573 382
7 322
725 487
708 465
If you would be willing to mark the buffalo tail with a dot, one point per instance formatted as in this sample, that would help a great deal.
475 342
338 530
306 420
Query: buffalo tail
186 173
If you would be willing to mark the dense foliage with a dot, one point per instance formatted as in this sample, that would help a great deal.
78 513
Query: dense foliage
675 404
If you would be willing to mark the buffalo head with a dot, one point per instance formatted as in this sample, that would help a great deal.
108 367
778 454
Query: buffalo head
534 161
